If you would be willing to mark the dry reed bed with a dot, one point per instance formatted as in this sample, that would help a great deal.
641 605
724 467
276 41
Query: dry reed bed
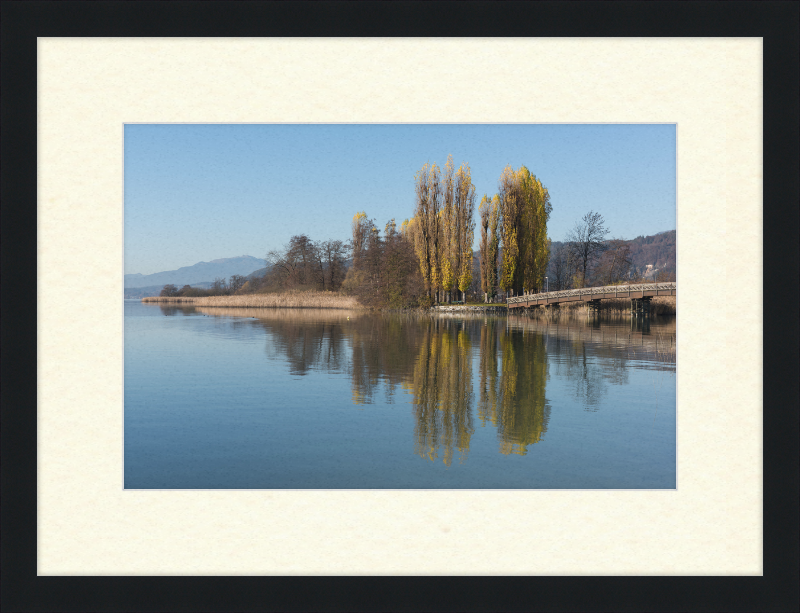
311 299
175 300
306 314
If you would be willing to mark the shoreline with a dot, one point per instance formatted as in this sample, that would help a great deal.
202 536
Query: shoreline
329 300
455 308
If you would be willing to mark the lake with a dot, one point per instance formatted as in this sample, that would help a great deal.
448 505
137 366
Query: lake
327 399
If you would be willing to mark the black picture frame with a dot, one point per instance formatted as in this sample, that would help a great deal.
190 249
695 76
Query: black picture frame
776 22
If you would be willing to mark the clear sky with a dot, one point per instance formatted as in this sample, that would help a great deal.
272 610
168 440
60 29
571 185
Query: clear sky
201 192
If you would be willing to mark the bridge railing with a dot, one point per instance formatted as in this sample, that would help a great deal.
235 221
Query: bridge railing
588 291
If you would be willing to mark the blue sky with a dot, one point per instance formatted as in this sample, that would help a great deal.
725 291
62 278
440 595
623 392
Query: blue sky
202 192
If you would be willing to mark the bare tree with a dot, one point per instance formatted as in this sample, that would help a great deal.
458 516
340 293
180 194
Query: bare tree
587 243
561 268
281 268
332 255
615 264
298 264
188 290
303 252
219 286
169 290
236 282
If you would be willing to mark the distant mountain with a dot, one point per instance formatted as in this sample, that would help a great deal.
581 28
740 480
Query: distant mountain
202 272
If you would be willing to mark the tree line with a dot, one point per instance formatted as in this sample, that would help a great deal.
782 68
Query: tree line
220 287
514 246
514 222
442 229
382 273
429 258
302 264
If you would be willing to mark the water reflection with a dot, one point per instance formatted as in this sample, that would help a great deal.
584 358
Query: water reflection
523 410
640 324
460 372
171 310
442 390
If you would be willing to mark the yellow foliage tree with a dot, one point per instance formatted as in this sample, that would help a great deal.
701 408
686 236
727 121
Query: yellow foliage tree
465 226
524 209
445 228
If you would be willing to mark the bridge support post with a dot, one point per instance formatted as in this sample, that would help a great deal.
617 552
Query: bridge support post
593 306
640 306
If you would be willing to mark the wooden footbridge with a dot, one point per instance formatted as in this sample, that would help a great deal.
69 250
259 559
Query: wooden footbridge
638 293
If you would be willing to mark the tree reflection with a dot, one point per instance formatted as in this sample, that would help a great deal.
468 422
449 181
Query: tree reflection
513 377
523 411
382 353
442 390
432 360
489 366
171 311
307 346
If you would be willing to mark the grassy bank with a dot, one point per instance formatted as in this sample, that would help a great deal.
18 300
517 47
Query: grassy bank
291 299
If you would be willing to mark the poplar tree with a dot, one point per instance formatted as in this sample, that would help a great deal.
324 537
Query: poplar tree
420 227
483 211
449 244
535 246
465 226
361 233
434 227
494 245
443 227
489 209
510 226
524 209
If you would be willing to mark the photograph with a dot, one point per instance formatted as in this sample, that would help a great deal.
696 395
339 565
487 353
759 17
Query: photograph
400 306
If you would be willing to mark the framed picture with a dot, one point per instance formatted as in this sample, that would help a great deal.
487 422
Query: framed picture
89 526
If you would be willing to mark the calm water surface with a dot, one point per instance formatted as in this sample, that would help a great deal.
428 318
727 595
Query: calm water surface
305 398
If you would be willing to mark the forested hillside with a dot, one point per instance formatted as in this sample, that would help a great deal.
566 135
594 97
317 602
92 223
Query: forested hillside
657 251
